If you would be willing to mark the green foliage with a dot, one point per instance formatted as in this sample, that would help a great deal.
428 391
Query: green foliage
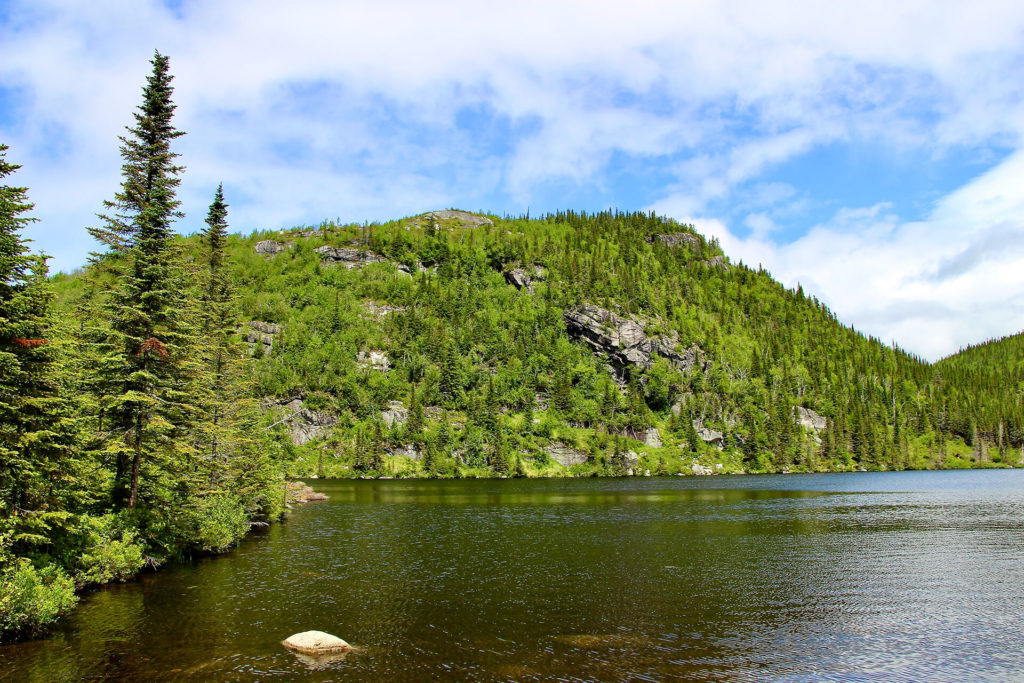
31 598
113 551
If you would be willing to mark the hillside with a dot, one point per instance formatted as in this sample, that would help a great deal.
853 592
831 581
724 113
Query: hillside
455 344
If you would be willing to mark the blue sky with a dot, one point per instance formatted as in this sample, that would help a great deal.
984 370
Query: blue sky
875 156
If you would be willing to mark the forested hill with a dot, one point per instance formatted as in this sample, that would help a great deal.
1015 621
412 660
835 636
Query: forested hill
455 343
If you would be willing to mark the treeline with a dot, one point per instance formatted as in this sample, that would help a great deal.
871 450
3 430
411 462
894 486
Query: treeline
505 380
127 431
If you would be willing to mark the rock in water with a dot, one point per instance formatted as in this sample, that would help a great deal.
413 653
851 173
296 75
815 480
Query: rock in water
316 643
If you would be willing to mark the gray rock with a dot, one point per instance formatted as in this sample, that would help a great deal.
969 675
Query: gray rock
632 459
316 643
261 333
622 340
269 248
679 239
699 469
520 279
396 414
652 438
307 425
565 456
709 436
349 257
408 451
374 360
806 417
718 262
470 220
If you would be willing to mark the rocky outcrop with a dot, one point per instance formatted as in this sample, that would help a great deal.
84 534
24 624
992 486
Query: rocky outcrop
565 456
622 340
396 414
316 643
262 333
307 425
705 470
470 220
679 239
805 417
709 436
269 248
299 492
373 360
348 257
717 262
652 438
521 278
408 451
379 310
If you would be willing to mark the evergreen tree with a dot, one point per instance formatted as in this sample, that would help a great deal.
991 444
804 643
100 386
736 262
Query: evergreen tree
149 362
42 476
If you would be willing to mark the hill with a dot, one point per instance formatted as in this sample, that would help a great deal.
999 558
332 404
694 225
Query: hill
456 344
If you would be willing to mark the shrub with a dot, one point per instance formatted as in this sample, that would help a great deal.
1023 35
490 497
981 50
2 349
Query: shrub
31 599
114 552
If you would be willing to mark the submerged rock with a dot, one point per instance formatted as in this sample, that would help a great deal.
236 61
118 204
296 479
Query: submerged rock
316 643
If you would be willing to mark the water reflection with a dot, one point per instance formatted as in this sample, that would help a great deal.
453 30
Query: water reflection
898 576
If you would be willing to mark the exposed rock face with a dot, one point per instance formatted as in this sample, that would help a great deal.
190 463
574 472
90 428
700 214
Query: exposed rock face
378 310
565 456
806 417
679 239
632 460
710 436
521 278
396 414
307 425
300 492
408 451
269 248
652 438
622 340
718 262
699 469
262 333
349 257
470 220
316 643
374 360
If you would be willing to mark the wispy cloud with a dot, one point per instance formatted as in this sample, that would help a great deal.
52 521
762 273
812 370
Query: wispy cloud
368 110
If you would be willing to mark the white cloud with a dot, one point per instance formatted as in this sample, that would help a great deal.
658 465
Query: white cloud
934 285
366 97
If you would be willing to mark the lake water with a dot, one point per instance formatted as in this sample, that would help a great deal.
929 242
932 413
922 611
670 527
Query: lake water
904 576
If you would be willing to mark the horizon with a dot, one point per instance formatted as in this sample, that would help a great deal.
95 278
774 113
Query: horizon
873 159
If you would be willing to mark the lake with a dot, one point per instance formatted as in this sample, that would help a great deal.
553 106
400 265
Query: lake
902 576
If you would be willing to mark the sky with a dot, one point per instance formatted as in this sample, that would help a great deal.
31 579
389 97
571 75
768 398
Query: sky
872 152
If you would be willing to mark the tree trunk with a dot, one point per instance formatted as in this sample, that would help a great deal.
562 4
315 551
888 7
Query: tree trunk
136 462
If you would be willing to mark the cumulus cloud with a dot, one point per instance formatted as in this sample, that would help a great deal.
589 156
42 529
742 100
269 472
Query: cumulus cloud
933 286
369 110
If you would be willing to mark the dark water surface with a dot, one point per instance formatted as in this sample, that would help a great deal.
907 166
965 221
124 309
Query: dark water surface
875 576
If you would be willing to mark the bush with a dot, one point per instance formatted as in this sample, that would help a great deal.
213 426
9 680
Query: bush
31 598
220 522
114 552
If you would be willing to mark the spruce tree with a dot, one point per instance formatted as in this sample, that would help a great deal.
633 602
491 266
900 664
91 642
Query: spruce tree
149 362
42 476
